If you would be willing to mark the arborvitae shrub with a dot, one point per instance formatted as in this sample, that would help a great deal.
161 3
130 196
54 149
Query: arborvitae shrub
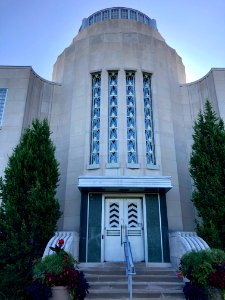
29 210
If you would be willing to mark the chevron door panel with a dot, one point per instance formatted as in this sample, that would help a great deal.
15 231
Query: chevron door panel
120 212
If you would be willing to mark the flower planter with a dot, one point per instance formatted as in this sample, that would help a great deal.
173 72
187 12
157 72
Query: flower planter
59 271
215 294
60 293
193 291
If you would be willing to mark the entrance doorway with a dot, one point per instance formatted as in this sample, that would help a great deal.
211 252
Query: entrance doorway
120 212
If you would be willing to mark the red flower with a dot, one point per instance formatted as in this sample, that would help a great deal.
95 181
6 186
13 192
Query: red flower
60 243
179 275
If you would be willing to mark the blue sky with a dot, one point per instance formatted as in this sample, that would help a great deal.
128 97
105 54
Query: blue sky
34 32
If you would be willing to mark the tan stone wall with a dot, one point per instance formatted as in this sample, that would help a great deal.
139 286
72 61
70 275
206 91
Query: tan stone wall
193 97
118 45
29 96
16 80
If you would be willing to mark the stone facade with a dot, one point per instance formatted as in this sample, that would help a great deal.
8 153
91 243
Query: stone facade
120 45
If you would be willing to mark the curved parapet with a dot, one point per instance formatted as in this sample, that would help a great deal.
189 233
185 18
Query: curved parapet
182 242
71 242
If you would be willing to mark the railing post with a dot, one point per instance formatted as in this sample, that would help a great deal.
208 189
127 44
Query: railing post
131 290
130 270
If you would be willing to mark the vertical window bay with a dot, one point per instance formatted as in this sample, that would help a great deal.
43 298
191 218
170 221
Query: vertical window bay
113 118
131 118
148 115
95 118
3 93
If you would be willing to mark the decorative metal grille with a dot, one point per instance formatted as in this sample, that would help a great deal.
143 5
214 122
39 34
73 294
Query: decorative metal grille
113 118
114 215
132 215
148 113
131 118
95 118
3 93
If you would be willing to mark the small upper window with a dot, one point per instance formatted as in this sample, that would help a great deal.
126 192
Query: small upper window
133 15
3 93
124 14
105 15
147 20
115 13
141 17
91 20
98 17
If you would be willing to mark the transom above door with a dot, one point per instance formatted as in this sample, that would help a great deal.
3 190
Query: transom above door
120 213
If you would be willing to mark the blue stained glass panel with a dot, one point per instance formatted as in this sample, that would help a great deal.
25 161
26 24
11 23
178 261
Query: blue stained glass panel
3 93
113 118
95 118
149 133
131 118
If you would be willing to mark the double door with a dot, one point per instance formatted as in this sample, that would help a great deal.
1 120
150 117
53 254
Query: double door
120 214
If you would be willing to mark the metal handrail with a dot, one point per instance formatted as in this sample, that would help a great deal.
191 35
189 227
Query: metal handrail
130 269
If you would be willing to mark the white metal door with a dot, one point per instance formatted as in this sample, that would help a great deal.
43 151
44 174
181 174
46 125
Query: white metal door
120 212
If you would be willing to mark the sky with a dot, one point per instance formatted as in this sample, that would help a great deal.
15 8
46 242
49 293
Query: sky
34 32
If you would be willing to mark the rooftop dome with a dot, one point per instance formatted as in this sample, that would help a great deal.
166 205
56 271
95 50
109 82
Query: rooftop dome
114 13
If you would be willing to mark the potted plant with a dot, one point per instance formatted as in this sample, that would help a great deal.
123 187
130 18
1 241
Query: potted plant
56 277
205 271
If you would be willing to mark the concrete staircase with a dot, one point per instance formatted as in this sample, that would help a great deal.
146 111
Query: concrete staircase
108 281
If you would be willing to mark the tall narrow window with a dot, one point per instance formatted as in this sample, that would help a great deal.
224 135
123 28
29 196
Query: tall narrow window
149 133
113 118
131 118
95 118
3 93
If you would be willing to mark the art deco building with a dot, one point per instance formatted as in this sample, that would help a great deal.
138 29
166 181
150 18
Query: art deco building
121 116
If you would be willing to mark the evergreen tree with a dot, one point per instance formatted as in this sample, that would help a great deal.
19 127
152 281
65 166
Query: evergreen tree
207 168
29 210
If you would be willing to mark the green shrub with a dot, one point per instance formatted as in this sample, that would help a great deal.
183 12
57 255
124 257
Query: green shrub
29 209
209 232
197 266
53 263
207 165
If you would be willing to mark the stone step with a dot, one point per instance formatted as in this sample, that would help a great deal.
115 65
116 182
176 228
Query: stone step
144 271
108 281
136 278
137 294
120 266
108 265
159 286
